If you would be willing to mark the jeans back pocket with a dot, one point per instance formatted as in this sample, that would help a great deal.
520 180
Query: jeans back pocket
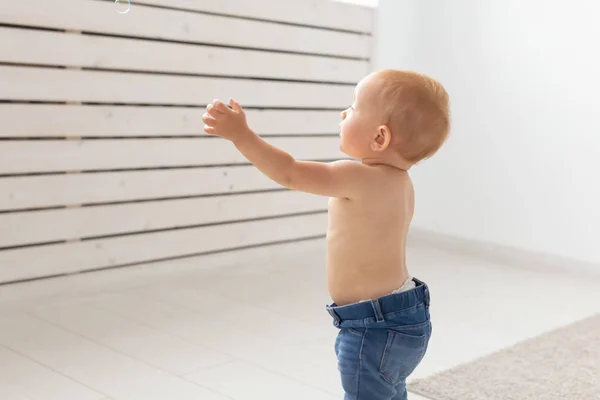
404 350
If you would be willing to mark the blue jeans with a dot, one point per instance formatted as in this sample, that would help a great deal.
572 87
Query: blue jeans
381 342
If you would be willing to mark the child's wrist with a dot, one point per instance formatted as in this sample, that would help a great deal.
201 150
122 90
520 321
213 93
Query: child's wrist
243 137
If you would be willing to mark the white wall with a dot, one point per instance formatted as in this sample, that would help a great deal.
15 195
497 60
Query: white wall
521 168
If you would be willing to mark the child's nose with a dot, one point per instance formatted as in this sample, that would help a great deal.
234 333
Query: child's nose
344 113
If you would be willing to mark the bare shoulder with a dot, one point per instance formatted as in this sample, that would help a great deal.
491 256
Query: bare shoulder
392 179
392 189
358 168
372 171
348 164
373 178
358 172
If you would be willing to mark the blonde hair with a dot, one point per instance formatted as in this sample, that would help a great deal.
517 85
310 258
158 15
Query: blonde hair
416 109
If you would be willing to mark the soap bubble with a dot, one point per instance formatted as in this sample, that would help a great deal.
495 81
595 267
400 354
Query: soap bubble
123 6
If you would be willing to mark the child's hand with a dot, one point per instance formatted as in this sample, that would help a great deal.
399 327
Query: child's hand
227 123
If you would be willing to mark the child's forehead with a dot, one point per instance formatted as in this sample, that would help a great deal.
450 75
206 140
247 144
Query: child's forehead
363 88
360 84
360 88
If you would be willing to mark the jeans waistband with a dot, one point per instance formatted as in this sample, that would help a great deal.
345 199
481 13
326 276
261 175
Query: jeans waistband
378 308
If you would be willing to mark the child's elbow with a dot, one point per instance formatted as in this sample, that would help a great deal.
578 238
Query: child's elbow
286 180
288 175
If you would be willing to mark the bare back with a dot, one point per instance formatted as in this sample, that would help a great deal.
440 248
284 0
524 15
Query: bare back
366 238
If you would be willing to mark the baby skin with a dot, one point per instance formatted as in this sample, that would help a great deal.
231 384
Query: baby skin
397 119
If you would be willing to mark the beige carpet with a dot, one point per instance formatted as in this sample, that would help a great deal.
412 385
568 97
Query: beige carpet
560 365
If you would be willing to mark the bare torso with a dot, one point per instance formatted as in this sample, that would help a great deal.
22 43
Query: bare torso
366 239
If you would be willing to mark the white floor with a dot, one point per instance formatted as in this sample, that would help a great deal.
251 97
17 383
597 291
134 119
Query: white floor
216 328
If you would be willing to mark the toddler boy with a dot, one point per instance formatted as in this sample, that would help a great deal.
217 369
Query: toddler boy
397 119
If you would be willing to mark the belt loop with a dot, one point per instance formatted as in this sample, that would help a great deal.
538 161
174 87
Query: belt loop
377 310
336 318
426 296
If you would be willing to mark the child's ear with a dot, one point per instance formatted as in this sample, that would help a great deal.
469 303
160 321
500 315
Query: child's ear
382 139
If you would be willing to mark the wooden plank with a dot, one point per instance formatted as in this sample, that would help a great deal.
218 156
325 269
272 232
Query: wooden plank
323 13
24 83
59 190
18 157
24 263
76 223
166 24
34 47
49 120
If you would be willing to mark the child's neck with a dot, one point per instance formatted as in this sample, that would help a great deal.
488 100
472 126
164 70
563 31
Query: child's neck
394 162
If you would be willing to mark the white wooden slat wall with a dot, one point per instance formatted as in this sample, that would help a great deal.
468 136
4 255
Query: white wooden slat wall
42 155
103 162
50 120
56 48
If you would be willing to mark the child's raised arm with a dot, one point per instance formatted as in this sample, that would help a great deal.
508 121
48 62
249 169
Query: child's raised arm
336 179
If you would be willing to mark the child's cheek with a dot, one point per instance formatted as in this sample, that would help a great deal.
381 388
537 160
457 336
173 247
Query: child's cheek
343 137
342 130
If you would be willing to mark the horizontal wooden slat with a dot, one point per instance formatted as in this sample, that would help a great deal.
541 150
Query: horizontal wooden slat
73 223
26 46
72 189
24 263
23 83
70 155
324 13
152 22
39 120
